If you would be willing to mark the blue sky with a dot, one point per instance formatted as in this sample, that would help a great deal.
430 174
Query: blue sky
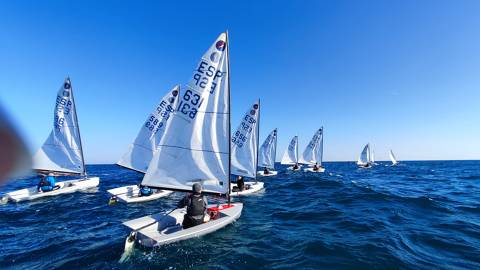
398 74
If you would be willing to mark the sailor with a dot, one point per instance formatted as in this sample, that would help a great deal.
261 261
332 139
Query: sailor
266 171
145 191
47 183
295 167
315 167
196 205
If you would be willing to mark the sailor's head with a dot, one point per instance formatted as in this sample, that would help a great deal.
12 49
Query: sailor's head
197 188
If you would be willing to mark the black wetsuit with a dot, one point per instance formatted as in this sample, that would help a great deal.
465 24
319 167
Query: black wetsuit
196 208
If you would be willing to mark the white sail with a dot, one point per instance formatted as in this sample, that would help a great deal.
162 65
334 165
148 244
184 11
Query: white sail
291 154
140 152
196 147
267 152
372 159
245 144
364 158
62 151
313 153
392 158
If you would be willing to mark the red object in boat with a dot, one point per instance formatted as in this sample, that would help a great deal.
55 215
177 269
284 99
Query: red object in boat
222 207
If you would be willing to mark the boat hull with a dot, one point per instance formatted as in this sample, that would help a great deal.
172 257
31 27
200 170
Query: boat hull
254 187
291 168
69 186
320 170
272 173
160 229
131 194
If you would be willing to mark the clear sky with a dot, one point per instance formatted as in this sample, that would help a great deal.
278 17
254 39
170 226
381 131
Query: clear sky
398 74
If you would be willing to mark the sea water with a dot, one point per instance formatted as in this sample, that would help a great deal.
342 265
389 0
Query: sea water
417 215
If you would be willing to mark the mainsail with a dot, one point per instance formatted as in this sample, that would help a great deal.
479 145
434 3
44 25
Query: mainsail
291 154
245 144
268 151
62 151
196 145
392 158
313 153
140 152
364 158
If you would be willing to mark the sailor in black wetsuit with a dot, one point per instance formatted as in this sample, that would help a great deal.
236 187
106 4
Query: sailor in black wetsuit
196 205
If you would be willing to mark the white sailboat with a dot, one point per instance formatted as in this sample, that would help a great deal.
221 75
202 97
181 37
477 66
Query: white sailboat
61 154
365 161
194 149
373 157
244 152
141 151
290 157
313 154
392 158
267 154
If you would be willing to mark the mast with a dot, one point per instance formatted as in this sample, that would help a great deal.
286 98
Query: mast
78 127
229 116
258 131
321 154
275 152
296 150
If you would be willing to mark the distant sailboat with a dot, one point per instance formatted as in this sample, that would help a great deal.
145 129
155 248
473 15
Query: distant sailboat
290 157
244 152
392 158
365 161
267 154
313 154
62 152
194 149
141 151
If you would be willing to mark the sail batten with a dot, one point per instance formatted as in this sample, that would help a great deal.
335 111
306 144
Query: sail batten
291 153
141 151
266 153
196 147
313 153
245 144
62 151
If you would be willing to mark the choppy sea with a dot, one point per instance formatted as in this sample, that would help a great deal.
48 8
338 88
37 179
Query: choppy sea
418 215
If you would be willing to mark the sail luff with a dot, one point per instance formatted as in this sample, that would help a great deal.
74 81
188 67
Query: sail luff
78 127
229 129
258 138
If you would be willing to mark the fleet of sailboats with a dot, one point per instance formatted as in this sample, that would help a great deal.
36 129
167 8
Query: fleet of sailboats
185 140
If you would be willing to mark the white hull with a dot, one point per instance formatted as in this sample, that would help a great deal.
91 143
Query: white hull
160 229
291 168
254 187
131 194
320 170
70 186
271 173
366 166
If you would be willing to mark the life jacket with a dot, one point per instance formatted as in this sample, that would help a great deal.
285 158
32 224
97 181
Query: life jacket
46 188
51 180
146 191
196 206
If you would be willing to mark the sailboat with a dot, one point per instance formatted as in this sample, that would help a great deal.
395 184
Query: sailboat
365 161
392 158
290 157
194 149
267 154
62 152
244 152
313 154
141 151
